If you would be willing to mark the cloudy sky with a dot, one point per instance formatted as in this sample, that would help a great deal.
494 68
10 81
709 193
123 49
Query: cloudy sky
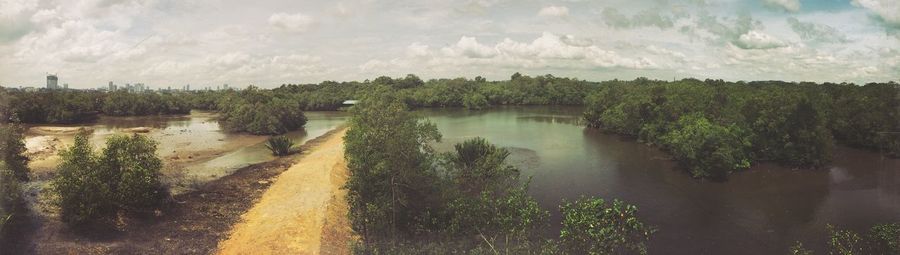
268 43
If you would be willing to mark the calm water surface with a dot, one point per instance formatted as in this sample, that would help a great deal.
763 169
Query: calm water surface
194 147
760 211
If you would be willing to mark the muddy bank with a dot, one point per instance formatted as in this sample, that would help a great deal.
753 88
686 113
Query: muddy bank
194 224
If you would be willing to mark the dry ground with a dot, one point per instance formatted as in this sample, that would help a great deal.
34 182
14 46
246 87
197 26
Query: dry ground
292 214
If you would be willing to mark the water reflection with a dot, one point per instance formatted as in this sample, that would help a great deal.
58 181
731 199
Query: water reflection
194 147
759 211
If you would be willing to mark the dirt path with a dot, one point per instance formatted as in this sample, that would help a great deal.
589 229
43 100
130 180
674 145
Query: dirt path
195 224
303 212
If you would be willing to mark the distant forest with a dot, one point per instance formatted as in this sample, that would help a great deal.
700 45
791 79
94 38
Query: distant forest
712 127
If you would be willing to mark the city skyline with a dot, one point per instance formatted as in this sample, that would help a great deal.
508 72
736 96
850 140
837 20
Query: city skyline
171 43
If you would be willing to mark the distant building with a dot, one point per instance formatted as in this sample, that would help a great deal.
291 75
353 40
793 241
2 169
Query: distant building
112 87
52 81
65 86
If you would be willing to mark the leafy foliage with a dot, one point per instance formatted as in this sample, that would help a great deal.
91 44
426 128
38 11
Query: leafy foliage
13 168
260 112
790 123
122 103
389 160
280 145
881 239
594 226
123 177
404 199
708 149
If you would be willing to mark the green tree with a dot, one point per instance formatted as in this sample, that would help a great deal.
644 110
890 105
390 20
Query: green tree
93 187
708 149
594 226
389 160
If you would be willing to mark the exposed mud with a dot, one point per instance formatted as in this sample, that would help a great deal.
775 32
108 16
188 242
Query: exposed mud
195 222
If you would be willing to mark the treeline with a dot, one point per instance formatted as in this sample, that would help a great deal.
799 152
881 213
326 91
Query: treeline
407 199
73 107
460 92
714 127
121 103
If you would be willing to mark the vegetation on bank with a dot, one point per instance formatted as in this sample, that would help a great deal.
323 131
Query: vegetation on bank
121 103
715 127
407 199
880 239
280 145
261 112
13 170
95 187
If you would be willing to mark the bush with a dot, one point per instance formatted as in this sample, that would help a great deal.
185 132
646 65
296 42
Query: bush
593 226
881 239
10 195
280 145
260 112
123 177
708 149
13 171
475 101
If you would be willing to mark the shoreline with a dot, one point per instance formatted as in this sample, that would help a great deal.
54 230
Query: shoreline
194 223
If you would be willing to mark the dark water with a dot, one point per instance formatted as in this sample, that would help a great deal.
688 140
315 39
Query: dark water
760 211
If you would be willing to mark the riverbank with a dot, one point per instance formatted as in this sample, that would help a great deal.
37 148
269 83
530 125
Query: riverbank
194 224
304 212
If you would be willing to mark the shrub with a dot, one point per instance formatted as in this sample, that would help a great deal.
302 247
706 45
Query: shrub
593 226
260 112
280 145
481 166
708 149
9 195
885 238
123 177
475 101
13 171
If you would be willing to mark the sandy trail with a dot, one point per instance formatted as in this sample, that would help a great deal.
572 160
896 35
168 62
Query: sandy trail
303 212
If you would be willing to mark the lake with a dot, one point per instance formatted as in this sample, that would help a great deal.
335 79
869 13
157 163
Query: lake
760 211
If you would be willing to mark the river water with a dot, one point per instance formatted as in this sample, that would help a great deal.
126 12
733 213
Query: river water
760 211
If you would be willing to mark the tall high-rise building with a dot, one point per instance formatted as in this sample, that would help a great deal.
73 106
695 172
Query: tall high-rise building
52 81
112 87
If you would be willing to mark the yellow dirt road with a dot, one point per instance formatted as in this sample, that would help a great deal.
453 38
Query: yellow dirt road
303 212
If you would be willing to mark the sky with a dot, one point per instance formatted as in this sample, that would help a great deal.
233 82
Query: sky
166 43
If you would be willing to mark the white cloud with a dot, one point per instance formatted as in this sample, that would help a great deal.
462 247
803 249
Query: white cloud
469 47
758 40
787 5
165 42
554 11
417 49
297 22
816 32
888 10
548 50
